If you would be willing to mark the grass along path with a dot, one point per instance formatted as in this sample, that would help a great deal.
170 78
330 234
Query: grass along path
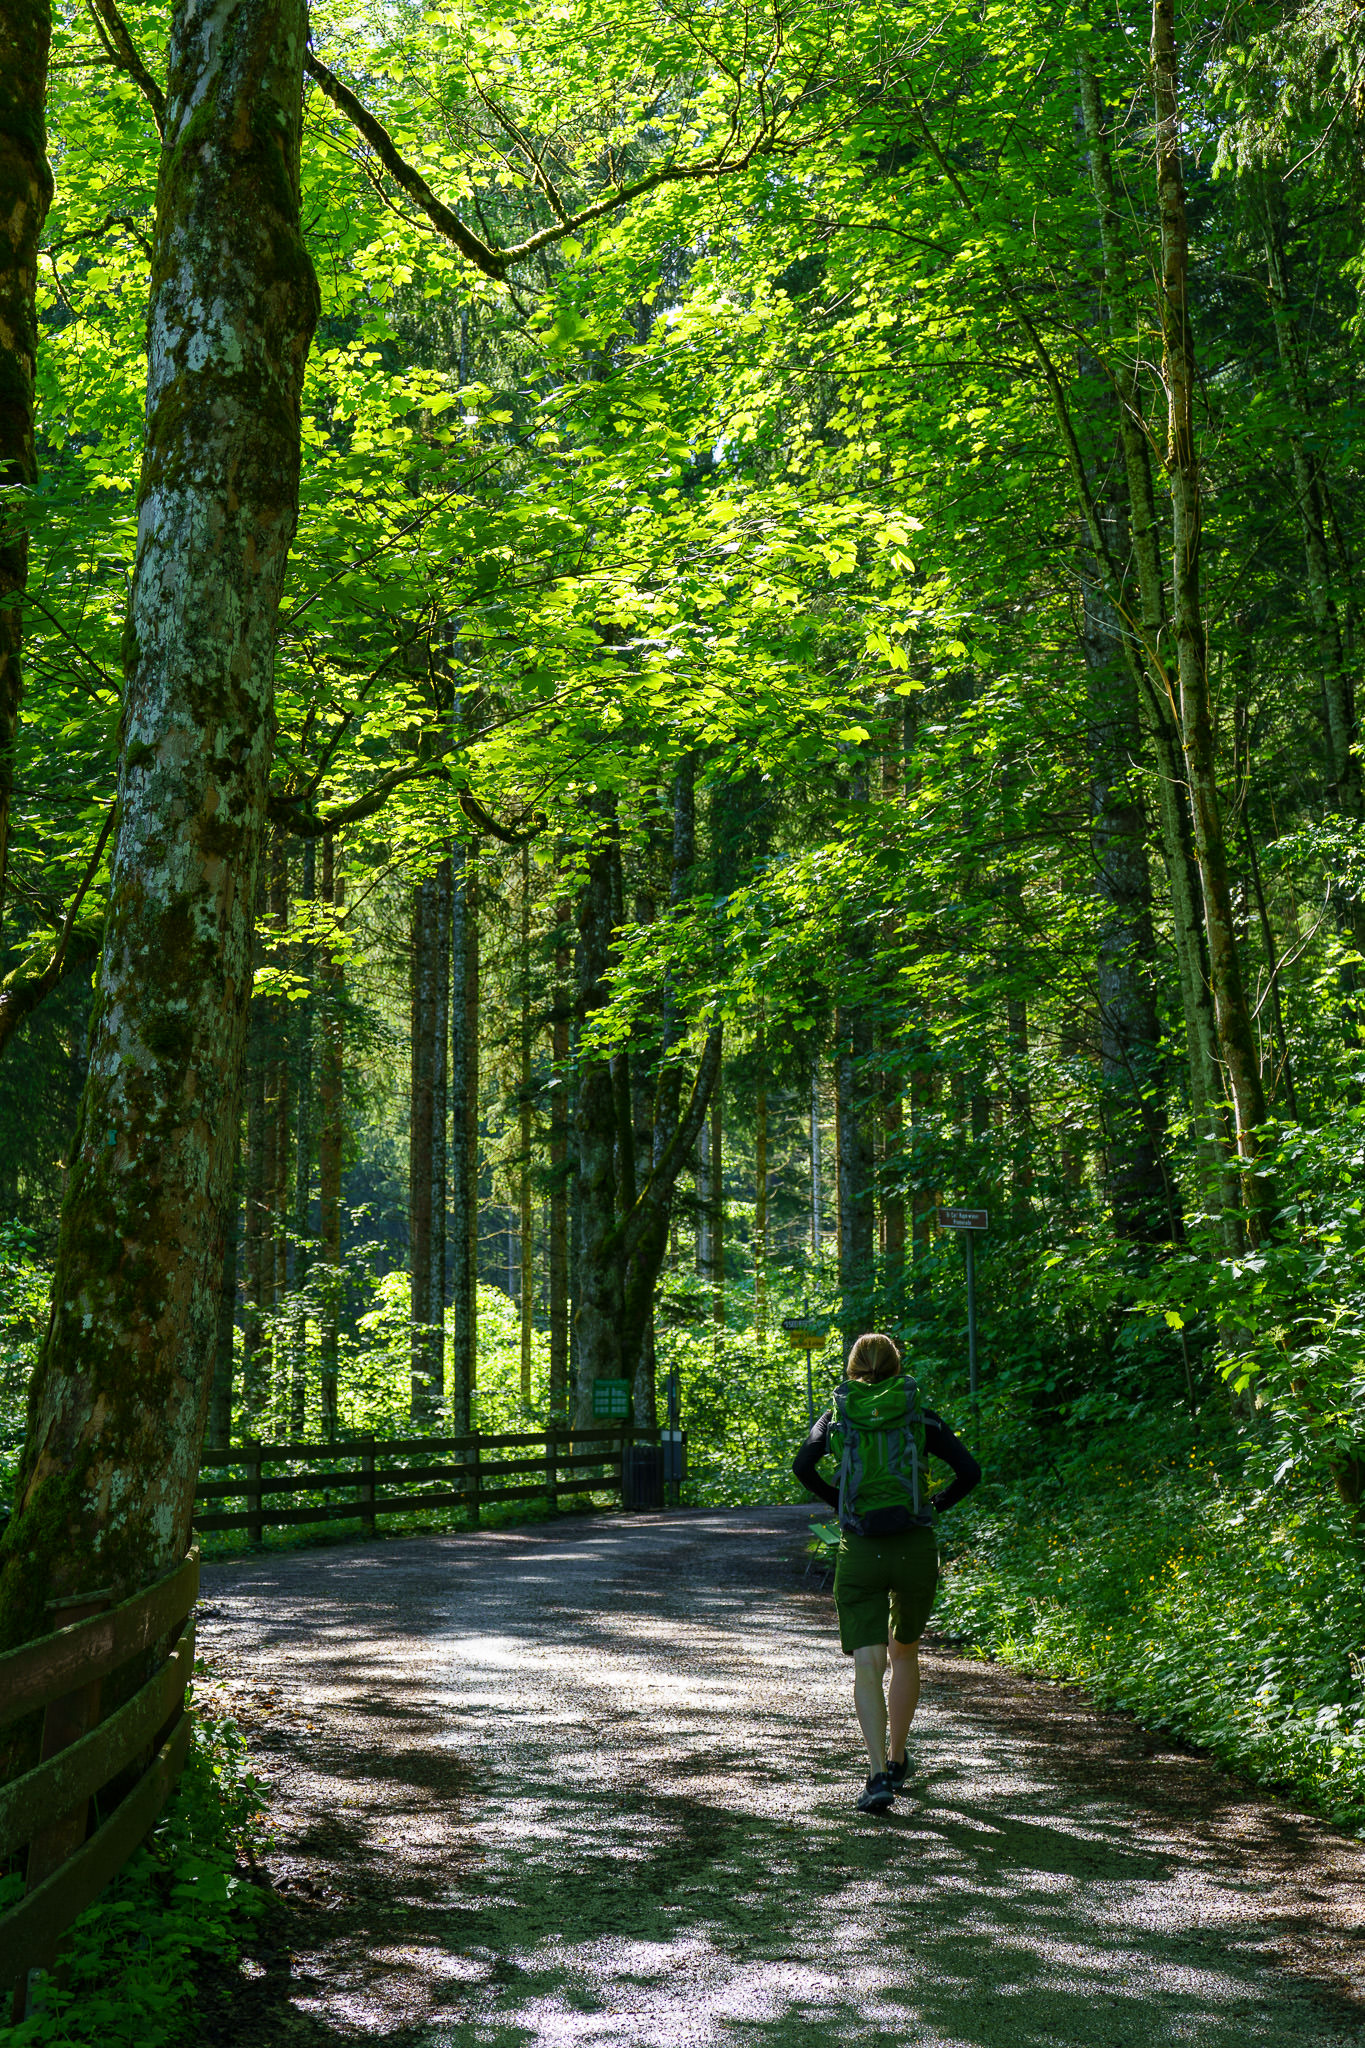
592 1782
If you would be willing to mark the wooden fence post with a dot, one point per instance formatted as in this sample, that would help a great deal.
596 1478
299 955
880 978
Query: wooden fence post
551 1461
474 1484
367 1482
255 1528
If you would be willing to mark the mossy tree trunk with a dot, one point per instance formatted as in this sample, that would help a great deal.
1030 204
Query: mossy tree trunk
106 1486
25 194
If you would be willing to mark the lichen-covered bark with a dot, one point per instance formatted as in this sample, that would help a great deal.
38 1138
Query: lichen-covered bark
106 1486
25 193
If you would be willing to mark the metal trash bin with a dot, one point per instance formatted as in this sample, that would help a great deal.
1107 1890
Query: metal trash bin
673 1449
643 1477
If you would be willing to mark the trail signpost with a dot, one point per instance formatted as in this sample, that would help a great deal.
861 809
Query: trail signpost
808 1334
968 1222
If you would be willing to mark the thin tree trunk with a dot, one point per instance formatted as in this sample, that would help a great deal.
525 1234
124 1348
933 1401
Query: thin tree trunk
761 1188
600 1302
705 1202
921 1199
717 1211
816 1191
331 1138
857 1206
559 1176
1143 643
253 1321
439 1159
422 1014
303 1155
893 1171
281 1190
1130 1033
105 1490
464 1093
25 195
675 1131
1311 491
1236 1036
526 1302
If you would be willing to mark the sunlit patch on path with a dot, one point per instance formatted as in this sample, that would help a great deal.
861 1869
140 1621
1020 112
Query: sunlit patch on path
591 1784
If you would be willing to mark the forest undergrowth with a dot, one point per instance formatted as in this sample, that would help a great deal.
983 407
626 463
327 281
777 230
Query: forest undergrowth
186 1900
1186 1588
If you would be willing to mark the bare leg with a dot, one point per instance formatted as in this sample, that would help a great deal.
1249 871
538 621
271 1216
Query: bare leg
869 1669
903 1694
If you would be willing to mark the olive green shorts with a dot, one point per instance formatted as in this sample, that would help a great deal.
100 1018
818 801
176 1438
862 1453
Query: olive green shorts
884 1578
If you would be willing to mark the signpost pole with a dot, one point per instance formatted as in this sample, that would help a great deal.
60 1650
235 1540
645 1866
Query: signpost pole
968 1247
810 1387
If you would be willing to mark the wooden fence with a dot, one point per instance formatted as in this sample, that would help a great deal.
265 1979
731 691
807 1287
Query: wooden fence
83 1759
394 1476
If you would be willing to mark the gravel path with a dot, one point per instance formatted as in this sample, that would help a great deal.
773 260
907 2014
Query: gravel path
591 1783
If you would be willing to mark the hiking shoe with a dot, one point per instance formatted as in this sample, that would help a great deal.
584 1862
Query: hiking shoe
896 1772
877 1794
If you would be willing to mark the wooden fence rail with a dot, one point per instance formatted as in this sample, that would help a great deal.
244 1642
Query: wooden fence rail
383 1473
82 1757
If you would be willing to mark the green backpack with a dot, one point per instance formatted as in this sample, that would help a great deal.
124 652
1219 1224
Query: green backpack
878 1437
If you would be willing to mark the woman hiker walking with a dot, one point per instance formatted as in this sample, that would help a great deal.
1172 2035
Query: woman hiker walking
888 1554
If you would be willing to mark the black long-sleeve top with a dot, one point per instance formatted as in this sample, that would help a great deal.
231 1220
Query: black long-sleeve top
939 1442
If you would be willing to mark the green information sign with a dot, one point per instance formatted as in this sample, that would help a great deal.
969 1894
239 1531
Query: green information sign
611 1400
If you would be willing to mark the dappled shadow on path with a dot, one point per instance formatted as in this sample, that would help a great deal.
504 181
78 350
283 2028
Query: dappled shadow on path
594 1786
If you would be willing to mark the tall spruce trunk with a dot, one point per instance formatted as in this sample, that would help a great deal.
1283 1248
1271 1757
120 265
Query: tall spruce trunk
105 1490
1236 1035
331 1139
25 195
